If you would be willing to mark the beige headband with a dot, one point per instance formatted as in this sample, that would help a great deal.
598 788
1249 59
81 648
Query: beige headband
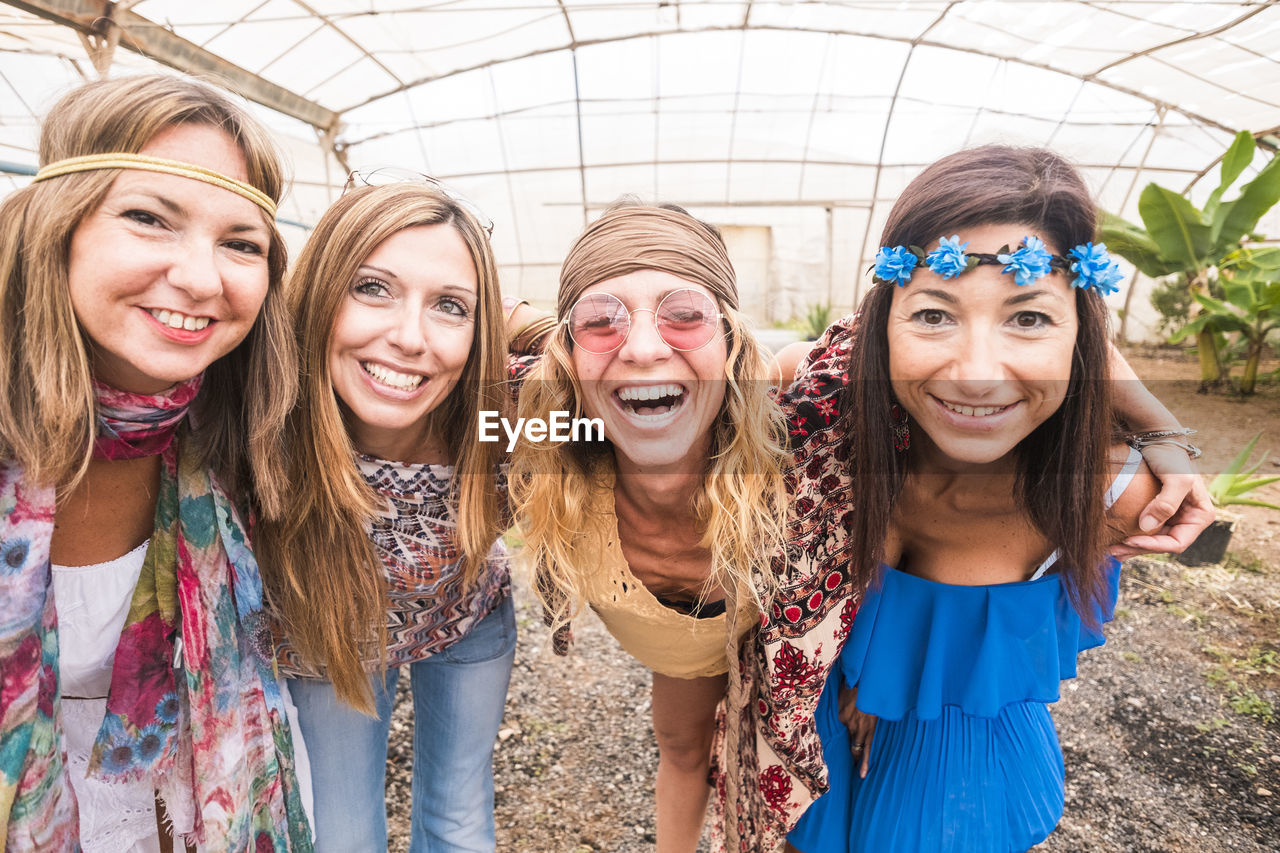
631 238
93 162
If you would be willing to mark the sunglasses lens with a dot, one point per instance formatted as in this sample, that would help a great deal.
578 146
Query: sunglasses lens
687 319
599 323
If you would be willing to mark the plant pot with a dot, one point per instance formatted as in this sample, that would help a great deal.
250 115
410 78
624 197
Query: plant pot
1211 545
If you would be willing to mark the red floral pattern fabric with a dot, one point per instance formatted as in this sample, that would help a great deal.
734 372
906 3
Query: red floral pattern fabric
806 625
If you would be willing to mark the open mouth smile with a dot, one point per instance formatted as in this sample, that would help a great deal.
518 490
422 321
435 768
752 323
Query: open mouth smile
176 320
650 401
974 411
392 378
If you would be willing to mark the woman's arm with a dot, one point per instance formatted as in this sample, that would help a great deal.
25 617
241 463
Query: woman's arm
527 327
1174 517
788 359
1124 514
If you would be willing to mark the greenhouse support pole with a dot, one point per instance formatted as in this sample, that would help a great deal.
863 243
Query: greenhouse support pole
831 255
1133 286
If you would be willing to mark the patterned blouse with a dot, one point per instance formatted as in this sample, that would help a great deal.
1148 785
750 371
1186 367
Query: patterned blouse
429 607
770 758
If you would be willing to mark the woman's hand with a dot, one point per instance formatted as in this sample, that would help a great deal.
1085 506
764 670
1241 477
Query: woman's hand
861 727
1177 515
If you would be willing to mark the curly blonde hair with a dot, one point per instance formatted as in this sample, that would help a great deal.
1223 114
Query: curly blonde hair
740 507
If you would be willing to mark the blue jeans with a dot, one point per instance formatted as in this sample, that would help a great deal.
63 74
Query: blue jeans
458 698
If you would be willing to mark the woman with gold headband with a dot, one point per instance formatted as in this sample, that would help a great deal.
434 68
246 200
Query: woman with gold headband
147 352
660 526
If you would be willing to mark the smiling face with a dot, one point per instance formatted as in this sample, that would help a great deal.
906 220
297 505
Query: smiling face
977 361
168 274
401 338
658 404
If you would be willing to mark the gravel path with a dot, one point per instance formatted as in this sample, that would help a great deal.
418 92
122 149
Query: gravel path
1165 733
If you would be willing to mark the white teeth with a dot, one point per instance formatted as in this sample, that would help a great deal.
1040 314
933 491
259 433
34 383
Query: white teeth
395 379
973 411
174 320
633 393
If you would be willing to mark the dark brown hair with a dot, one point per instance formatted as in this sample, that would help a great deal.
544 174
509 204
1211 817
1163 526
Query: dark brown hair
1061 464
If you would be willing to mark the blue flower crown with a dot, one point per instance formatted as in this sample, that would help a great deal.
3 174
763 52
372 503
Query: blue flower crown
1031 261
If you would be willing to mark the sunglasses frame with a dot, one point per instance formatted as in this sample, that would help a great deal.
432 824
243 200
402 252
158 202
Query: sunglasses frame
400 175
716 318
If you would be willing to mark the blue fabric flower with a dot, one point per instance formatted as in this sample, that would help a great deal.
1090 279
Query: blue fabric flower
167 708
1095 269
1029 263
151 742
119 753
895 264
949 259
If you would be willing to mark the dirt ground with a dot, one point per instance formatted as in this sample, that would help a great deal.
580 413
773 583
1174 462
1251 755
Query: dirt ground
1171 734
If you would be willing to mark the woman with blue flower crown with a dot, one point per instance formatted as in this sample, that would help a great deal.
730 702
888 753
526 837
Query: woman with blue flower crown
982 447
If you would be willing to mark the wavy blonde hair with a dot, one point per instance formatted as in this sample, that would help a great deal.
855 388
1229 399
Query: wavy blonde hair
47 413
322 573
555 487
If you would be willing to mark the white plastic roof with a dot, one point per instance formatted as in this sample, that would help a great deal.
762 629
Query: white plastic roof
803 118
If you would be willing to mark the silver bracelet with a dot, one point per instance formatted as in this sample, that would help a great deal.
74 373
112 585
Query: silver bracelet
1171 437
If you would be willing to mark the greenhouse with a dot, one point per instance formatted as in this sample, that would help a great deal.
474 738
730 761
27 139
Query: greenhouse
735 514
791 125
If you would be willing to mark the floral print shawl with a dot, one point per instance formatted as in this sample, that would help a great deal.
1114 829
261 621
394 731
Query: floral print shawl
808 621
193 690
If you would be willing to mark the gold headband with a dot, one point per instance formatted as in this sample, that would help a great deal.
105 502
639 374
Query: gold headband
92 162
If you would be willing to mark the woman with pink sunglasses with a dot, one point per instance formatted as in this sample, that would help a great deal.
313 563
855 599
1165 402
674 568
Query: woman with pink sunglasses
659 526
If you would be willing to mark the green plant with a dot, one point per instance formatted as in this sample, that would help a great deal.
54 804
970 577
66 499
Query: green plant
1250 703
1246 562
1236 481
1252 298
1212 726
1172 302
816 320
1251 308
1178 237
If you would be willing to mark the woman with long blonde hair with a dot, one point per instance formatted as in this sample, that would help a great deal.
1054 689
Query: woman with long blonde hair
661 525
147 353
384 553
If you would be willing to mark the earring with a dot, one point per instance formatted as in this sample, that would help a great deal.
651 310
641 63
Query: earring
900 428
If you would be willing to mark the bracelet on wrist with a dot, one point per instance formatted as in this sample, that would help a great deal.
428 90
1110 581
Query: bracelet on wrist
1171 437
510 304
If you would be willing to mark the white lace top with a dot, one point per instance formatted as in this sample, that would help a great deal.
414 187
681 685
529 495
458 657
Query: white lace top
93 602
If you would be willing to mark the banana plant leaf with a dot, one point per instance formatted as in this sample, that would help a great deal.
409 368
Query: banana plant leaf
1176 226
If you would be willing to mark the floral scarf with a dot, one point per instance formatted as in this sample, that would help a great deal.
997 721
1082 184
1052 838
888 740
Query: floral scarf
193 690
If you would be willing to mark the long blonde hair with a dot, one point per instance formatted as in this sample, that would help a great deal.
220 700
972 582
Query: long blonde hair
740 507
47 418
322 573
